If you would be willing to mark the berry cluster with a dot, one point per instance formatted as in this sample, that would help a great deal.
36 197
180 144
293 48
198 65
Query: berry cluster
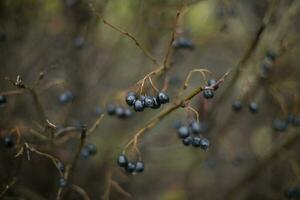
142 102
280 125
119 111
252 106
183 43
209 93
267 63
190 135
130 167
88 150
2 99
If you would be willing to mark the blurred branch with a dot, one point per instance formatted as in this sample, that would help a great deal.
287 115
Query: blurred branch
8 186
80 191
266 161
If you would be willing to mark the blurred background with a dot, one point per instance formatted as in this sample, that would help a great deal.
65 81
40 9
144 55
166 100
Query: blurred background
74 67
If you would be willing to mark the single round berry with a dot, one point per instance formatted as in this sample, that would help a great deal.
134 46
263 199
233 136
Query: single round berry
139 167
162 98
2 99
66 97
111 109
84 153
279 125
62 182
208 94
272 55
183 43
296 121
253 107
195 127
212 82
204 143
92 149
60 167
130 167
156 104
8 142
127 112
237 105
183 132
120 112
122 160
187 141
138 106
130 98
148 102
196 142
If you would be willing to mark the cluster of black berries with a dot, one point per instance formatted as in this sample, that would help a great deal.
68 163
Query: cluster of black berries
66 97
209 93
139 104
252 106
267 63
292 193
2 100
190 135
183 43
130 167
280 125
119 111
88 150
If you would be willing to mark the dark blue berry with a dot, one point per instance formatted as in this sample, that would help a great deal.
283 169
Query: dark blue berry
187 141
79 42
204 143
66 97
127 112
272 55
196 142
139 167
120 112
2 99
111 109
183 43
130 167
122 160
85 153
60 167
208 94
296 121
280 125
8 142
162 98
62 182
156 104
212 82
195 127
253 107
237 105
130 98
148 102
91 149
138 106
183 132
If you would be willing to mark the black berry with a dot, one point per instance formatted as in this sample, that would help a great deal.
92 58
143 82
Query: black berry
111 109
8 142
130 167
183 43
212 82
187 141
120 112
162 98
280 125
122 161
208 94
85 153
60 167
2 99
138 106
139 167
91 149
130 98
156 104
149 102
196 142
66 97
183 132
204 143
237 105
127 112
62 182
253 107
272 55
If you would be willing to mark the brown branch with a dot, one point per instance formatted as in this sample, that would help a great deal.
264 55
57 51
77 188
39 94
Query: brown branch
80 191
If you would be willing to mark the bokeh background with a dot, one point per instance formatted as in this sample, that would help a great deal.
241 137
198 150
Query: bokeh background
251 156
